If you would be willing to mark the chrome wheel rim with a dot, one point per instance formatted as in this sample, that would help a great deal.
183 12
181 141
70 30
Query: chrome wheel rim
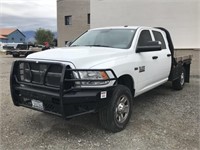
182 79
122 109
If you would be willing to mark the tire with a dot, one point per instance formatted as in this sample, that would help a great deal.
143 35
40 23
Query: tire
116 115
178 84
16 55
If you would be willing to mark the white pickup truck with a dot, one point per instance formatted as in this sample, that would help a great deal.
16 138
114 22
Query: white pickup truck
101 71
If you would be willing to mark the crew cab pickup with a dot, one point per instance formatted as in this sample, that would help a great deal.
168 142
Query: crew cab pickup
100 72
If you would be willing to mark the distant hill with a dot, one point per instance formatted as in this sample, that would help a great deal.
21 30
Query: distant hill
30 35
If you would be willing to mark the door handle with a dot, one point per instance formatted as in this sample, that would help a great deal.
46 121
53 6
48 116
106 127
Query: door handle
155 57
168 55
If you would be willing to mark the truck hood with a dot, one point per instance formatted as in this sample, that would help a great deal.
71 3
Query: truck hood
81 57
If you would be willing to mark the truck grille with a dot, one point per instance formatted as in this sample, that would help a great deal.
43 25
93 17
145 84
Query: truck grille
41 73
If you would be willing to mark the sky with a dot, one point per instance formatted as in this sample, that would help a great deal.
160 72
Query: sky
28 14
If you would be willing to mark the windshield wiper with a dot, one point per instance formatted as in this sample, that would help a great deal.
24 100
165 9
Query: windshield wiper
92 45
98 45
74 45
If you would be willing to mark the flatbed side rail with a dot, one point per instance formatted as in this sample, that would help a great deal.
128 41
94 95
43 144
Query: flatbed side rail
181 62
184 59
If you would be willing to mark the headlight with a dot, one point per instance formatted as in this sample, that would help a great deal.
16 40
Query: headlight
91 75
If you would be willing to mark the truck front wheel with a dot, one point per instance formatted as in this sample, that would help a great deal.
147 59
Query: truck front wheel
117 114
179 83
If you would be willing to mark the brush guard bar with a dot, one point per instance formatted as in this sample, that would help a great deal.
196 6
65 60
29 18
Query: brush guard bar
54 84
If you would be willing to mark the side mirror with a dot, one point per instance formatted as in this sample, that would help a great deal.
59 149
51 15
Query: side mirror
149 46
68 43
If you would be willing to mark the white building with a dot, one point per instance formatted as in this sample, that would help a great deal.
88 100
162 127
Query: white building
180 17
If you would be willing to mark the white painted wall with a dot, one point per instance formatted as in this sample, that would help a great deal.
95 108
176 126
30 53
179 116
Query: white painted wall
180 17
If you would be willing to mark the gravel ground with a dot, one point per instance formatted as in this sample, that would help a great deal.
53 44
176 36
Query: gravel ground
162 119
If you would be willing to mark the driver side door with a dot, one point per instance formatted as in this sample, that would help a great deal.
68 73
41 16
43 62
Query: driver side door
148 64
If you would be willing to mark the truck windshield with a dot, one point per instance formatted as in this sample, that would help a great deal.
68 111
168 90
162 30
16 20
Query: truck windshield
114 38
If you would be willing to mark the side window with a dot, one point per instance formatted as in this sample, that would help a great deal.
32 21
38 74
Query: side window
158 37
145 36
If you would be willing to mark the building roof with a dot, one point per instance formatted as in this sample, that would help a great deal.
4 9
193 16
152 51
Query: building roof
2 37
6 31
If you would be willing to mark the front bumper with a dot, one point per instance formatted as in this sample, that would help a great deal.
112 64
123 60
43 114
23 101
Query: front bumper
57 100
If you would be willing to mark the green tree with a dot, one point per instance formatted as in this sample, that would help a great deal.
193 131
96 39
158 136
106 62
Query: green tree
43 35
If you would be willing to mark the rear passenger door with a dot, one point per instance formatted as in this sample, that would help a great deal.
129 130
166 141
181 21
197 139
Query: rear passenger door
164 55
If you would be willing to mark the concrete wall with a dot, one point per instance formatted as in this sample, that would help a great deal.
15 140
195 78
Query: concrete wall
79 10
180 17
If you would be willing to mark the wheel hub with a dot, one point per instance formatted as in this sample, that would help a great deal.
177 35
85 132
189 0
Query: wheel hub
182 78
122 109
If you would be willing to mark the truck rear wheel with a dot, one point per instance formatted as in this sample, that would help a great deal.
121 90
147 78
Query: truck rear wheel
179 83
117 114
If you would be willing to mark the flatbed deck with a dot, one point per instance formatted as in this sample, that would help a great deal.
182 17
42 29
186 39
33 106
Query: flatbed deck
186 58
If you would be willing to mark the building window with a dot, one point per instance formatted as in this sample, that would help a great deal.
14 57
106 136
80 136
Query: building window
68 20
13 38
20 39
88 18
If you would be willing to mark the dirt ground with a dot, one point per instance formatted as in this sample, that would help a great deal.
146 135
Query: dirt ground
162 119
